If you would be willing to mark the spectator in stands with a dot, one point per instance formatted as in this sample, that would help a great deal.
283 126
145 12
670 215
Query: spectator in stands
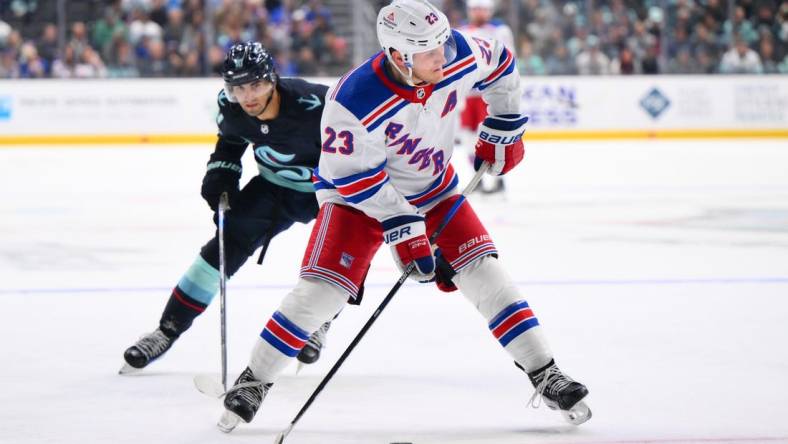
706 63
10 46
142 27
625 63
85 65
5 31
31 65
560 63
683 64
650 62
339 55
768 57
740 27
592 61
121 61
703 40
529 63
740 59
79 42
155 63
47 46
106 29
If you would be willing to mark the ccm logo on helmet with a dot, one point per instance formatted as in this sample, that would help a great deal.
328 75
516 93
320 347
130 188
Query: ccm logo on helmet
496 139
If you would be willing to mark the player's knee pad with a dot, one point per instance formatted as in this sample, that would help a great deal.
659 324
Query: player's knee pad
312 302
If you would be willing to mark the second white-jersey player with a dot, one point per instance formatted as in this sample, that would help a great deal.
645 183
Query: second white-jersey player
385 176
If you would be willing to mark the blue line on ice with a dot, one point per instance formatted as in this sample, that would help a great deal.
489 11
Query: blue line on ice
588 282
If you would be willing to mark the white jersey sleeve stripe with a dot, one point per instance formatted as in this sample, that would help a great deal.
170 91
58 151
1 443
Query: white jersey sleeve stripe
505 66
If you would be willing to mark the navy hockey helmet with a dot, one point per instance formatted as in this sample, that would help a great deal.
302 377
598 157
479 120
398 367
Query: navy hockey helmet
247 62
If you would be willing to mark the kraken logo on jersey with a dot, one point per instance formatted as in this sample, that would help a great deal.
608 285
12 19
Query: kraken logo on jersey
273 166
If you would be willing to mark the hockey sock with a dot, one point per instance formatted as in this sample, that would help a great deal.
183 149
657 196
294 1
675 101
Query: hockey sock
179 313
511 321
307 307
190 297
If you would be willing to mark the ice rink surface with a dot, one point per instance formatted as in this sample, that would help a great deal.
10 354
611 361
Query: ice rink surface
659 271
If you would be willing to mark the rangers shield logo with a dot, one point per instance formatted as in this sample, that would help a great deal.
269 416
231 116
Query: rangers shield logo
346 260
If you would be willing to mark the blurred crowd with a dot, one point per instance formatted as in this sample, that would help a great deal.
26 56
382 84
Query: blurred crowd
651 37
169 38
188 38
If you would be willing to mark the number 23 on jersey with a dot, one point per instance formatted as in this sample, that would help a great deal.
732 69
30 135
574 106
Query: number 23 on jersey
346 143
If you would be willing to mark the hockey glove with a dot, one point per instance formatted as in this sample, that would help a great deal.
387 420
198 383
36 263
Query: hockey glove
500 143
407 238
443 273
222 175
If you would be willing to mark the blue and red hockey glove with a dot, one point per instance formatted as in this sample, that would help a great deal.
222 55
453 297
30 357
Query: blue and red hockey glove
407 238
500 143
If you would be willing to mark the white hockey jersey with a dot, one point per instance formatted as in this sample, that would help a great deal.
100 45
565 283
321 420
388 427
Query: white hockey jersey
387 147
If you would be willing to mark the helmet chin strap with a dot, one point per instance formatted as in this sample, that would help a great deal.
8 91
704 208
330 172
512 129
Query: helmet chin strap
408 76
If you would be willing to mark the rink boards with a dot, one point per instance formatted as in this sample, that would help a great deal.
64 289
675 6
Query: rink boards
183 111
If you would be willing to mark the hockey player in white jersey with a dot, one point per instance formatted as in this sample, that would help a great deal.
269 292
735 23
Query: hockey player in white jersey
481 24
385 176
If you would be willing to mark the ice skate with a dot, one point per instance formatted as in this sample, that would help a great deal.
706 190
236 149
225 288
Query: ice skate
559 392
242 401
310 353
149 348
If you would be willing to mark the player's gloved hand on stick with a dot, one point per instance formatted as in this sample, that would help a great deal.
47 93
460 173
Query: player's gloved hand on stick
444 273
222 176
407 238
500 143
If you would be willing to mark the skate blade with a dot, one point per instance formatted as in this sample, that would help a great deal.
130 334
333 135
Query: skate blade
228 421
209 386
578 414
128 370
299 367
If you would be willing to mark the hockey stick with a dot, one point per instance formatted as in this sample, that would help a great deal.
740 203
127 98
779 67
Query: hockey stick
224 205
408 270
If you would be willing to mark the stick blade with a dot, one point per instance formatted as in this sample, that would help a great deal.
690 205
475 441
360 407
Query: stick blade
209 386
280 438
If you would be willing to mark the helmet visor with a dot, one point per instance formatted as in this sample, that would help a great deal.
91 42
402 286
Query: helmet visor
253 88
449 51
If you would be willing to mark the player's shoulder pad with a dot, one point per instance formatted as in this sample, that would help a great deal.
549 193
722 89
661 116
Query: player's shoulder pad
363 94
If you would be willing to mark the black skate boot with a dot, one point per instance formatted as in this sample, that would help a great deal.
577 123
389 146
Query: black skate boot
242 401
149 348
311 351
559 392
